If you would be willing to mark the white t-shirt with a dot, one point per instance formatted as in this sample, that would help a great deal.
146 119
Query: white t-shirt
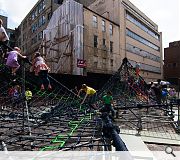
2 30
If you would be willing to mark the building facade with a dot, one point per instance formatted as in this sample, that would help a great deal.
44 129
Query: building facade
30 31
99 36
85 2
101 43
10 32
76 34
140 41
172 63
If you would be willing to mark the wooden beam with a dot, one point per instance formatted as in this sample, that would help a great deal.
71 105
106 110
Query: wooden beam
57 50
62 39
67 54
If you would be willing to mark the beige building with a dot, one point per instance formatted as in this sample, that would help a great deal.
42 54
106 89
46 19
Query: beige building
76 34
101 43
31 28
140 41
80 40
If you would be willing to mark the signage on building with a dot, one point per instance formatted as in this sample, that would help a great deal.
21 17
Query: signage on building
81 63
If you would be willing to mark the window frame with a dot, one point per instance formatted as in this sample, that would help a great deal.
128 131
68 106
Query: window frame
95 21
103 25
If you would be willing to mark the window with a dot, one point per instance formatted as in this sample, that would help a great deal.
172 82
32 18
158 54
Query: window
24 36
41 21
49 15
103 26
58 1
44 4
169 65
12 35
142 53
147 67
36 12
40 35
95 41
111 46
33 28
34 40
95 25
24 25
174 65
95 64
141 40
41 6
111 29
142 26
111 62
104 63
33 16
104 42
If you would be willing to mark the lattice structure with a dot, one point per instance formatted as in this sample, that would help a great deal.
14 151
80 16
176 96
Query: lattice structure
126 86
137 110
55 120
52 120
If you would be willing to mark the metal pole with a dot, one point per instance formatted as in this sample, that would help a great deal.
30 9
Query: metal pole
139 124
178 121
23 92
111 131
178 87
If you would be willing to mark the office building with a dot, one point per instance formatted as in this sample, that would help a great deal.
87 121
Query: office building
140 41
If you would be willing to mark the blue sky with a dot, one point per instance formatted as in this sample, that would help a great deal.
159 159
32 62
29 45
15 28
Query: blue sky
165 13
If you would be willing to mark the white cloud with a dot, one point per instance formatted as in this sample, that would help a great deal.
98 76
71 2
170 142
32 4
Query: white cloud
165 14
16 10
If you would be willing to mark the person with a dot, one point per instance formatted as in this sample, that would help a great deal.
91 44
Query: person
137 69
16 95
3 37
172 93
164 95
90 93
158 91
108 103
41 70
12 60
28 95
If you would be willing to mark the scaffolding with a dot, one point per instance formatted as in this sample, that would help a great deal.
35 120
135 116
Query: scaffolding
63 39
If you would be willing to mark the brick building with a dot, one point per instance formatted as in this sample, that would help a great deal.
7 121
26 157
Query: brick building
172 62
